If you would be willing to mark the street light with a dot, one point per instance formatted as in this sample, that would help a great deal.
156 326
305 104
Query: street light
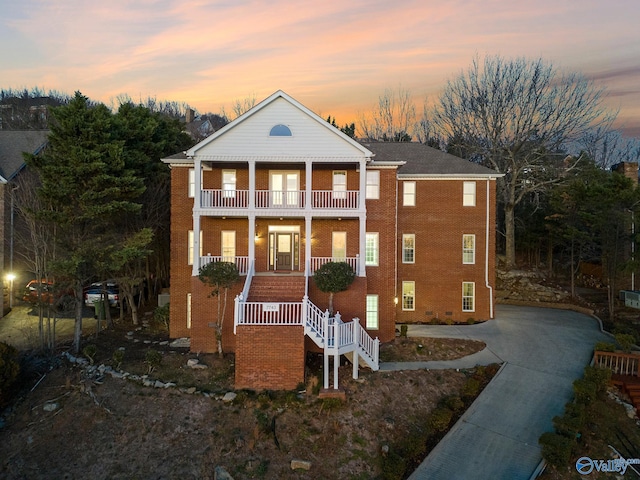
11 277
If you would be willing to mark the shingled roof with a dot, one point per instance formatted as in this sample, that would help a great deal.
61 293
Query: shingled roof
422 160
13 143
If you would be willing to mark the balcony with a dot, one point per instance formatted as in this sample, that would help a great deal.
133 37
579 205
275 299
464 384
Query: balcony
348 200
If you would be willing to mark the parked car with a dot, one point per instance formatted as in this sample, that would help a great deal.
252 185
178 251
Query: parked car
93 293
49 293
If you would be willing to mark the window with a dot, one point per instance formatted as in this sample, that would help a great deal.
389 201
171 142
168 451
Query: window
469 194
372 312
284 189
190 243
280 131
409 248
408 296
339 185
192 183
339 246
409 194
373 185
468 295
468 249
228 246
229 183
371 250
188 310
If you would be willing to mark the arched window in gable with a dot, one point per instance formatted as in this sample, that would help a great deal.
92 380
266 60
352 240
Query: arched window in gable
280 130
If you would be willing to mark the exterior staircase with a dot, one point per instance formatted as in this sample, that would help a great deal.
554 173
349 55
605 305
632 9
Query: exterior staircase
276 288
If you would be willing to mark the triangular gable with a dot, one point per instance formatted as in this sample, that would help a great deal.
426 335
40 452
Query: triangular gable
249 136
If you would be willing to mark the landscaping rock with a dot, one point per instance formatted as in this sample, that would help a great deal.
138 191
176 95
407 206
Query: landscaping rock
229 397
300 464
50 407
220 473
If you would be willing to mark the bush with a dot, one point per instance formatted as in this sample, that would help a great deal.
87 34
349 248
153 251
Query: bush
439 419
599 376
393 466
117 358
571 423
556 449
448 321
403 330
605 347
471 388
161 314
585 391
626 341
9 370
471 320
152 358
453 403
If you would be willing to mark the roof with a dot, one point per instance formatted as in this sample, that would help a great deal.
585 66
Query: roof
13 143
419 160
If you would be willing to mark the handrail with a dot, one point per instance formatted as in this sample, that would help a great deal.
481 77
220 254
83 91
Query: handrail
218 198
238 312
619 362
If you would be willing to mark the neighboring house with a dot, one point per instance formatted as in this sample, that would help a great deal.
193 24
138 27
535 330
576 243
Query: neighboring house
279 191
13 143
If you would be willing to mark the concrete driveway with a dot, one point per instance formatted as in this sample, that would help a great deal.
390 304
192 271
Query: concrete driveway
543 351
20 327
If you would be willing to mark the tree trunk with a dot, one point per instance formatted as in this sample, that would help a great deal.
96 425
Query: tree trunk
331 303
510 236
77 330
132 304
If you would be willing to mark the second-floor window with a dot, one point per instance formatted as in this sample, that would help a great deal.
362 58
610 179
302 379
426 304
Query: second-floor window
339 184
408 296
468 249
469 194
371 249
409 248
191 247
409 194
229 183
373 185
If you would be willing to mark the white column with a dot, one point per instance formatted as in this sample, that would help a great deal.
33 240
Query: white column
308 217
363 216
197 171
252 237
252 185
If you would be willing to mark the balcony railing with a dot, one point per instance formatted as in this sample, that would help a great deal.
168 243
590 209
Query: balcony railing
278 199
241 262
317 262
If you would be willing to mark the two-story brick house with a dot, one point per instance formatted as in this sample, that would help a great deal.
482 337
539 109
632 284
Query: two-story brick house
280 191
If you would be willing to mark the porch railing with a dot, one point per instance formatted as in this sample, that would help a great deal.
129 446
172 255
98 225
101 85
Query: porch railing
335 199
317 262
293 199
241 262
620 363
280 198
212 198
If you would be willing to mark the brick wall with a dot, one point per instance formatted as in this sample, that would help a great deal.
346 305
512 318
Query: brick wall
269 357
439 221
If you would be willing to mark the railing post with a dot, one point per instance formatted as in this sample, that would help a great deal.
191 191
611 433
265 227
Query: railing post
236 310
356 343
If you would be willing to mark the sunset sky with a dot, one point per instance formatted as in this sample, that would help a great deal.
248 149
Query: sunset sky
335 57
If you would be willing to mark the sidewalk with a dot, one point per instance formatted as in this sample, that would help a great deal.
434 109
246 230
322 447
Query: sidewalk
543 351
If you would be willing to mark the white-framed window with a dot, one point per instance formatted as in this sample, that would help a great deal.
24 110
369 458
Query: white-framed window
228 244
468 249
372 312
190 243
468 296
229 183
192 183
409 248
188 310
469 194
284 186
408 296
371 254
339 184
339 246
409 194
373 185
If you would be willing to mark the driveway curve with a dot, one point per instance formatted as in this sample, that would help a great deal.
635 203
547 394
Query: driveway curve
543 351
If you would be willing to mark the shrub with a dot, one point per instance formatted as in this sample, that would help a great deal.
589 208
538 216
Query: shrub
9 369
161 314
448 321
471 388
153 359
599 376
117 358
471 320
585 391
90 352
605 347
453 402
439 419
403 330
626 341
572 422
556 449
434 321
393 466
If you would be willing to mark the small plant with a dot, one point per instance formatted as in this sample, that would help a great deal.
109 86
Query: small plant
439 419
9 369
434 321
161 314
471 321
117 358
448 321
403 330
153 359
90 352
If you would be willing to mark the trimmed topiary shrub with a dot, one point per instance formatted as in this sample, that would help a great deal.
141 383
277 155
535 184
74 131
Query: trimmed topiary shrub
585 391
556 449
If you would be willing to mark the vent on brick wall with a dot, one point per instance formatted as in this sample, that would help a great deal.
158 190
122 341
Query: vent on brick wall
448 313
429 312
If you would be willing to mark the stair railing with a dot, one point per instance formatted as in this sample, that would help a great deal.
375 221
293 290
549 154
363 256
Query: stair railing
238 312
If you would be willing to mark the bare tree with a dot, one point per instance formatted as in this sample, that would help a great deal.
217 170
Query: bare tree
518 117
240 106
393 119
608 147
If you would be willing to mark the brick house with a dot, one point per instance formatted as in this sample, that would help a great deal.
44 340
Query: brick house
279 191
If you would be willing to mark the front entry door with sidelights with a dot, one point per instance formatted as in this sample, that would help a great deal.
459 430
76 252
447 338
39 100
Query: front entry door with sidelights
284 250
